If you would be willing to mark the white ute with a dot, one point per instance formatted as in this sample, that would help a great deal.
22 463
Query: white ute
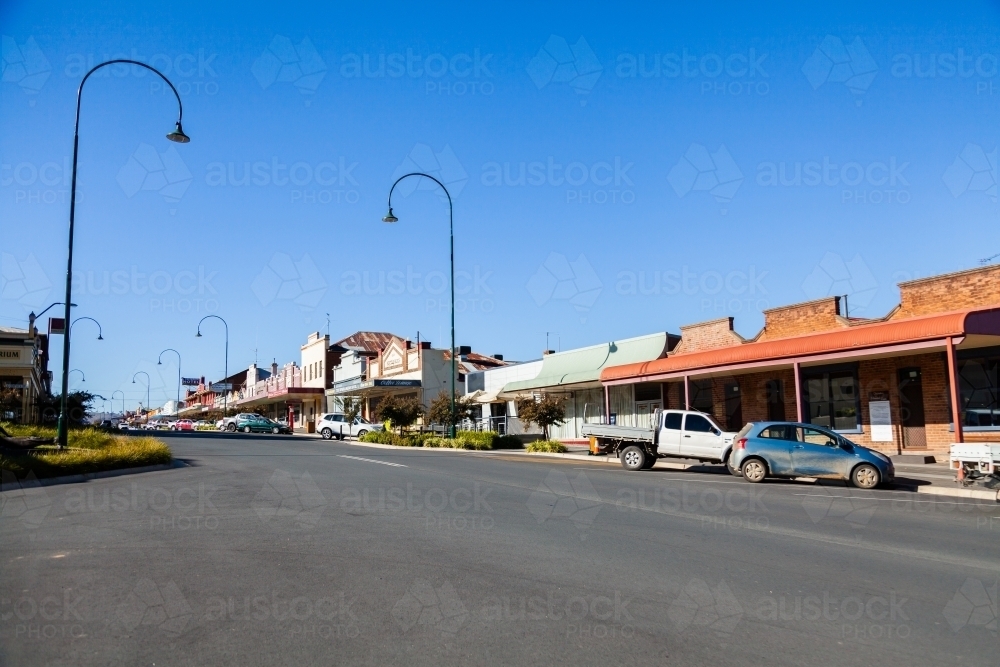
683 434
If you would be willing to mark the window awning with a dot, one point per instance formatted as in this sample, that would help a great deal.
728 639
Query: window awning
584 365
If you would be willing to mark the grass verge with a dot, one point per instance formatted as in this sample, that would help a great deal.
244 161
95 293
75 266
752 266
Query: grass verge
90 450
478 440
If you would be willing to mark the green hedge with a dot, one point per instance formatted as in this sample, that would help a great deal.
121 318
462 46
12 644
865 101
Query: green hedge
478 440
547 446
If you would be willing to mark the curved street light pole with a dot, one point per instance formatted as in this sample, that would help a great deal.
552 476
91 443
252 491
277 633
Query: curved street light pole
178 136
113 401
100 331
389 217
77 370
159 362
147 387
225 394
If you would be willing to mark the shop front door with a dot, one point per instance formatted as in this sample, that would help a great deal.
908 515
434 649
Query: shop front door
911 409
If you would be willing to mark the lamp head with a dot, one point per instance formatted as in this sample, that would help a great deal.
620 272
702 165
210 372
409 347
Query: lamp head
178 135
100 337
198 335
389 217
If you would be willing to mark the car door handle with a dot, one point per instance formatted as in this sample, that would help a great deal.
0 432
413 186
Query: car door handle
797 447
687 436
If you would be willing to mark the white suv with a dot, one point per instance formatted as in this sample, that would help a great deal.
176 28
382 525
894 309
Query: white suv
333 425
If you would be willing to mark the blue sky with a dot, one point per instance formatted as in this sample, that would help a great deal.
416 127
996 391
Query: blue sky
615 170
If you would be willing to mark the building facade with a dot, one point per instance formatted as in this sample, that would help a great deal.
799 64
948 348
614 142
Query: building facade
24 374
920 378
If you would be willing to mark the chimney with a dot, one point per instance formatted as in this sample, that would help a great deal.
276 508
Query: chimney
498 357
274 367
546 353
464 350
425 345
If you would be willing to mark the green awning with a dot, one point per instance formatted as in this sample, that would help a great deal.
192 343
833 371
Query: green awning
584 365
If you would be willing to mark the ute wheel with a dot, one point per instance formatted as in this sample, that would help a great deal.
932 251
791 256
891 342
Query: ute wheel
865 476
632 458
731 468
231 428
650 461
326 433
361 434
246 429
754 470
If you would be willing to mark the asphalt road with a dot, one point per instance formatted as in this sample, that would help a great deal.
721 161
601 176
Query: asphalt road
275 550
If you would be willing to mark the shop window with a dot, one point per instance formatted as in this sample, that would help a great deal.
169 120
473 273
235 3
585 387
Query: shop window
648 391
979 382
831 397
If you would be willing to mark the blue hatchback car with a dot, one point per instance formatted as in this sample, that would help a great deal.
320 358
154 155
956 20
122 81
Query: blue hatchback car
788 449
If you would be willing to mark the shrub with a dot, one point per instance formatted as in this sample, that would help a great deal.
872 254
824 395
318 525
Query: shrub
547 411
547 446
89 450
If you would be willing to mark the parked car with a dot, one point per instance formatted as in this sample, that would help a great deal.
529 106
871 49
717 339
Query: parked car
789 449
334 425
183 425
229 423
686 434
258 424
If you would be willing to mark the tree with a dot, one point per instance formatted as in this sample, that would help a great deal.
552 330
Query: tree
440 411
352 408
401 412
10 404
78 407
546 412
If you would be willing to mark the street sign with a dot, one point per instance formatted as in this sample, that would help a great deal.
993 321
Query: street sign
190 382
222 386
57 326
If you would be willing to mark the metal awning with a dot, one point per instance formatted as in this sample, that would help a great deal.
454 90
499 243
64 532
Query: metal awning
583 366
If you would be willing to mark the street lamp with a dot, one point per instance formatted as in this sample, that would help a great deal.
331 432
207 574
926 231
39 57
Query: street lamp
389 217
176 135
147 387
77 370
113 401
225 394
100 332
159 362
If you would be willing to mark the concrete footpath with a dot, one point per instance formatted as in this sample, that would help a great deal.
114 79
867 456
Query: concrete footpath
934 478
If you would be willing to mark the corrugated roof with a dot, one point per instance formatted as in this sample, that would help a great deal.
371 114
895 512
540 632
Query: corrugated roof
369 341
894 332
585 364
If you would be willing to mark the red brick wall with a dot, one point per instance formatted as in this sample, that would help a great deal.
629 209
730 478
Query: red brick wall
802 318
708 336
952 291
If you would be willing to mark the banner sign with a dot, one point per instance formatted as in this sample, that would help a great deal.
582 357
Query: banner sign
190 382
222 386
57 326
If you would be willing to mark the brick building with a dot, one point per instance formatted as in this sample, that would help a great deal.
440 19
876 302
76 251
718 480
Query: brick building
897 383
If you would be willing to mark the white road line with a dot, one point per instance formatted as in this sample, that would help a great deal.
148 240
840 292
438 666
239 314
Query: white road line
385 463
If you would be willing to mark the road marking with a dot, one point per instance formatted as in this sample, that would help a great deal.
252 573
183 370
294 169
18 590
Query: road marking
385 463
895 500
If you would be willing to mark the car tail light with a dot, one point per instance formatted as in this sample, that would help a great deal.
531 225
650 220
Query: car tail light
741 443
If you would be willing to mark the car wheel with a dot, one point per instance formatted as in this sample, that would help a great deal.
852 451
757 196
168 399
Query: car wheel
649 462
326 433
866 476
632 458
246 429
361 434
276 430
754 470
231 428
733 470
